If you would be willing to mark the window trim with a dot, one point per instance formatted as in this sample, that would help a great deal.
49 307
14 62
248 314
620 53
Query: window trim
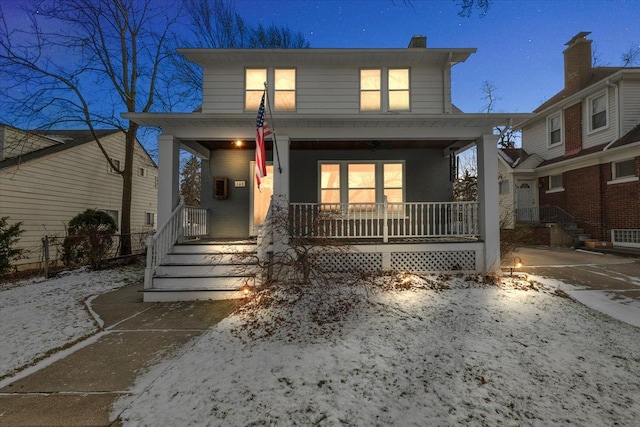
549 130
625 178
344 178
117 162
151 215
270 78
555 189
380 90
590 99
408 89
276 90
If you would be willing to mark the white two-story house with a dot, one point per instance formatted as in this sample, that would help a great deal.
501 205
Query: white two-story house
367 134
579 165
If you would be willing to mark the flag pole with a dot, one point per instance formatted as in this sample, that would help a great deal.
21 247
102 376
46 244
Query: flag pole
273 129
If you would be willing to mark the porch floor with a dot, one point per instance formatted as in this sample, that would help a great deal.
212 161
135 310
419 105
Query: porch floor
349 241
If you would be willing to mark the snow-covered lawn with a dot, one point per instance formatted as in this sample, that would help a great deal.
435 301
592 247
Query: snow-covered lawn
39 315
475 354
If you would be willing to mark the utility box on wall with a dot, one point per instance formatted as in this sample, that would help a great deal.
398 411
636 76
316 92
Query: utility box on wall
220 187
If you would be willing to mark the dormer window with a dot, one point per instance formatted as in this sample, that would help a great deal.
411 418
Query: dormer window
554 129
598 112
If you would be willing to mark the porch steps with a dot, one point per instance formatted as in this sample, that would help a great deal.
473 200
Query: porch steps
204 271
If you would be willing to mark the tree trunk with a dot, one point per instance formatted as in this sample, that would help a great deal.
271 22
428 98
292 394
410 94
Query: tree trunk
127 190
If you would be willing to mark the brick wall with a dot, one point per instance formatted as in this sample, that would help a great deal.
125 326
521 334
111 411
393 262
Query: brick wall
622 201
584 200
573 129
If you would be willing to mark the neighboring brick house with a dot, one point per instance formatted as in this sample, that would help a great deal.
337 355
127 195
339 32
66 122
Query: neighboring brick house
581 153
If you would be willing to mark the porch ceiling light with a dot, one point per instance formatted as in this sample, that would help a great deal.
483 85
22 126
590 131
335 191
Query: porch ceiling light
237 143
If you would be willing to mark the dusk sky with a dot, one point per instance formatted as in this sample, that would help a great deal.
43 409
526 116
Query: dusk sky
519 42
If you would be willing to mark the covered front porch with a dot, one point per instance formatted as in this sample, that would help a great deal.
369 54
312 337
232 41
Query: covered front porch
384 186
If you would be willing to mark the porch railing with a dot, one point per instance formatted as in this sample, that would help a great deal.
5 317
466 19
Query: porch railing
547 214
384 220
183 222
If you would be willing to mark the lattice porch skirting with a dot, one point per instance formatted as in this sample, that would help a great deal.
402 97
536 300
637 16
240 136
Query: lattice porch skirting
415 258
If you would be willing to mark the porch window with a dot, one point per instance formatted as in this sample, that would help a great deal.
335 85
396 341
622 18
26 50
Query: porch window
554 126
361 184
598 111
285 89
555 182
254 87
329 183
399 89
370 90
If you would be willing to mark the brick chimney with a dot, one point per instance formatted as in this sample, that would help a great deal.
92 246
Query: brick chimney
577 62
418 41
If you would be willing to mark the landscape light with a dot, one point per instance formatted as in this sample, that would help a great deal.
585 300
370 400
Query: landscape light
517 263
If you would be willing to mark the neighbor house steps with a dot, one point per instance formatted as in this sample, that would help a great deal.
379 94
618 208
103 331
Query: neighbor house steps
204 270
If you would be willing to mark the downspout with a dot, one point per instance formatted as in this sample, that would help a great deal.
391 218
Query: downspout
446 77
602 185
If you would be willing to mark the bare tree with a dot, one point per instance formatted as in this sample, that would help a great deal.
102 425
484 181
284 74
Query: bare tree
506 135
632 56
217 24
83 62
468 6
190 182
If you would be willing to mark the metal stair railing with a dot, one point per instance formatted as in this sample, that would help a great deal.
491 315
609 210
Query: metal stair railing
548 214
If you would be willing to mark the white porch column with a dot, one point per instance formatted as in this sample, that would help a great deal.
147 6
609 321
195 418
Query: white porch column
281 180
489 216
168 176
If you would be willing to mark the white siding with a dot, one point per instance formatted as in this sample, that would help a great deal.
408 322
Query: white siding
630 93
47 192
16 143
505 200
320 89
600 136
534 140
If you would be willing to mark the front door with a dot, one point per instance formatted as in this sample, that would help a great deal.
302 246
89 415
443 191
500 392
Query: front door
526 202
260 199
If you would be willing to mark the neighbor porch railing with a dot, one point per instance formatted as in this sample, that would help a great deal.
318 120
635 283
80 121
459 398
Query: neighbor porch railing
384 220
184 222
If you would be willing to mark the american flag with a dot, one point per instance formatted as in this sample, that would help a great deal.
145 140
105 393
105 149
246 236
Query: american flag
262 131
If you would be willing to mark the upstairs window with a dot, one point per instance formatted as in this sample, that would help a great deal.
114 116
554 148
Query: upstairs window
554 126
370 90
598 112
285 89
149 219
399 89
254 87
143 172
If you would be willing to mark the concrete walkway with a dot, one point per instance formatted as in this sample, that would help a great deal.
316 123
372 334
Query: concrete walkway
78 386
602 281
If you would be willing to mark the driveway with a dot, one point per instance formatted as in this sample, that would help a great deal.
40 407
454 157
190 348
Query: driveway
605 282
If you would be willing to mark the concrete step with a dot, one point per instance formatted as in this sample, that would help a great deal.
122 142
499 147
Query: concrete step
210 258
207 283
214 248
204 270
